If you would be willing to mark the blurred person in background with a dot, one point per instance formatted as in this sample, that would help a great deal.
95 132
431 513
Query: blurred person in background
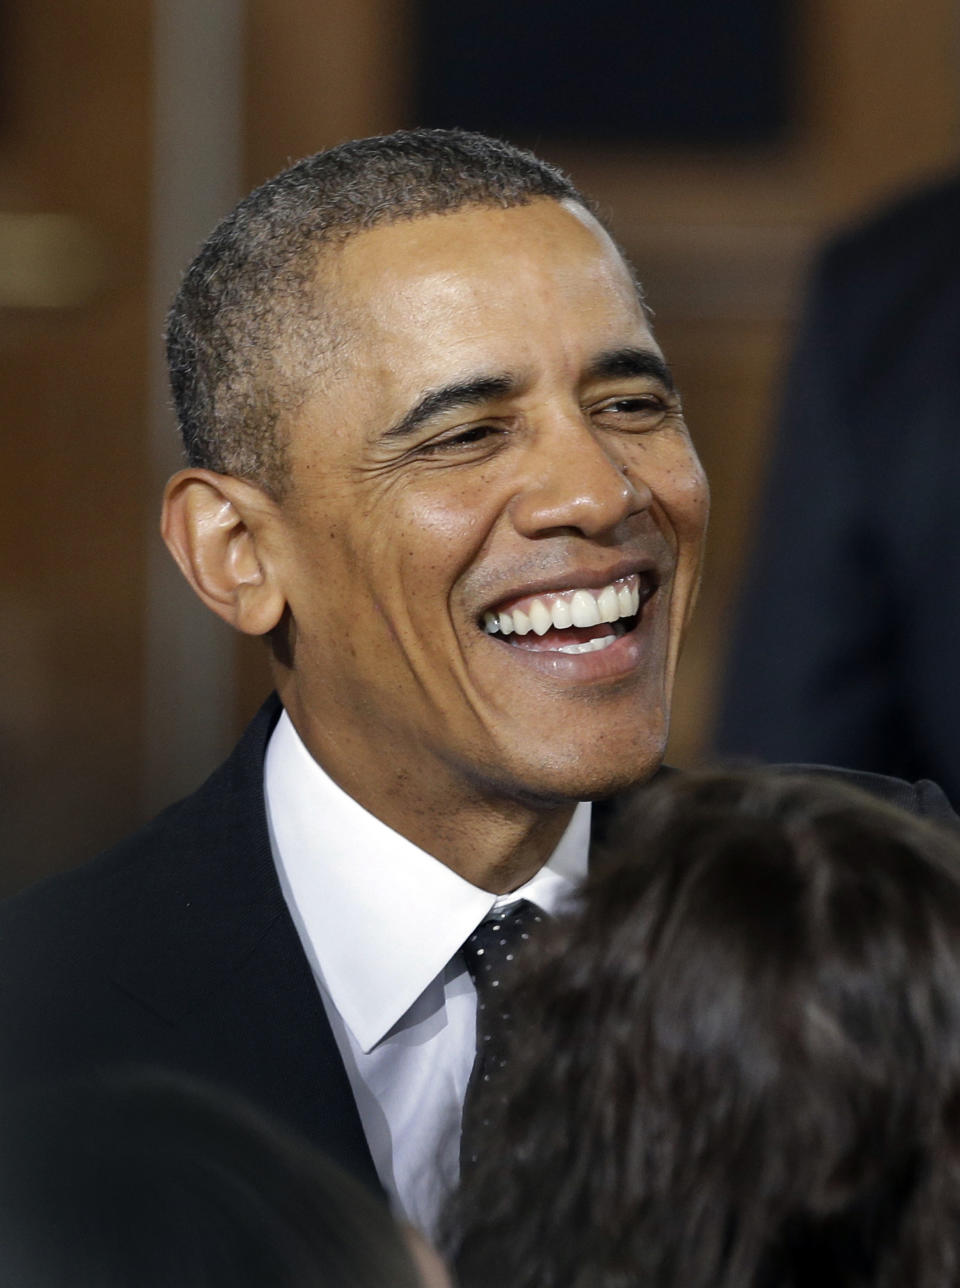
737 1063
163 1182
848 635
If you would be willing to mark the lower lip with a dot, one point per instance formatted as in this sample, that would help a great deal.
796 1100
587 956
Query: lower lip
617 659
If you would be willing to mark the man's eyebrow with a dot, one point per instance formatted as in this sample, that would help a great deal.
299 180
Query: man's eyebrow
631 362
461 393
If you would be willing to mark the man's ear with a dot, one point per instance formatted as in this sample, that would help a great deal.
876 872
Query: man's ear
217 529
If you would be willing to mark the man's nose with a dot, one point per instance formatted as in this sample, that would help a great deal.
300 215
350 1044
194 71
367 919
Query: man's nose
577 482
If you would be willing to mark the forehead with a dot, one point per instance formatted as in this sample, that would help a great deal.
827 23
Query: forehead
529 286
477 239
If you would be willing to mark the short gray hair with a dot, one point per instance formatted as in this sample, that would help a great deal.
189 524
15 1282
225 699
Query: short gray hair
249 297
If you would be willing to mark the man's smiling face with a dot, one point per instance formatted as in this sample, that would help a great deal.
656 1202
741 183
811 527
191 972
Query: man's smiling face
492 534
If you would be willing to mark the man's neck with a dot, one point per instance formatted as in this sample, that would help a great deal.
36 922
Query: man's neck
496 849
495 844
492 840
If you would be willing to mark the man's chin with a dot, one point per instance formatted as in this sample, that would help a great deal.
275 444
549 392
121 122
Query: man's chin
564 780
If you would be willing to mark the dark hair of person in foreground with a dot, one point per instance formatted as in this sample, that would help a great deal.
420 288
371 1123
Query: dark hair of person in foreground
153 1181
739 1065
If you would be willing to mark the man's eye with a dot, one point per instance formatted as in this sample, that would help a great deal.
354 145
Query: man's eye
636 403
639 410
469 436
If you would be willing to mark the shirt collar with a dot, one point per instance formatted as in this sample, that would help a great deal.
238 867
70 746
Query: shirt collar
379 917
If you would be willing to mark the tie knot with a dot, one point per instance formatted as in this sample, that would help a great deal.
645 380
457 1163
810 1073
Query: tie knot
490 951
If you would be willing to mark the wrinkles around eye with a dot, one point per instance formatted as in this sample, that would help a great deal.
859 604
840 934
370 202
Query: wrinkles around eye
467 437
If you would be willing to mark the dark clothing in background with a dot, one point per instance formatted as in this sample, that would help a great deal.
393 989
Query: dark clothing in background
176 949
848 638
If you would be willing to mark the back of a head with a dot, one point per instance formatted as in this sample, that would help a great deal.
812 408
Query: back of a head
743 1062
158 1182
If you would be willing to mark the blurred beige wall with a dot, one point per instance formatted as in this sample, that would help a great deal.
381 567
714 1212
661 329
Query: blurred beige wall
137 127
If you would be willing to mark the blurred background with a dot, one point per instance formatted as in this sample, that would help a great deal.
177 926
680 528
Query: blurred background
723 141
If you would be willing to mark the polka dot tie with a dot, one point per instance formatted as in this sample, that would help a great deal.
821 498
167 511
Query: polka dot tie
490 955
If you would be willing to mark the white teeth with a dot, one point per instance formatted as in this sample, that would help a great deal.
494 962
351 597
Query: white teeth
608 605
583 608
521 622
590 646
561 614
540 617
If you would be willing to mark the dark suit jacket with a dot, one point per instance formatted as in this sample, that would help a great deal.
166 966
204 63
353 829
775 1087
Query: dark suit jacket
846 646
176 949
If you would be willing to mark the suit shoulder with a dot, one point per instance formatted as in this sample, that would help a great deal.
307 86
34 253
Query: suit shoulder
183 846
52 919
924 798
98 963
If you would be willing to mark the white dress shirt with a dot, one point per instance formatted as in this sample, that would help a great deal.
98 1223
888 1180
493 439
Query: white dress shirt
382 923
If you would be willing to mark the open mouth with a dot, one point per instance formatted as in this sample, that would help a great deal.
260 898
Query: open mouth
583 620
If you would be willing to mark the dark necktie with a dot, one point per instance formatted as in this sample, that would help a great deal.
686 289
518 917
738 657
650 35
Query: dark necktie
491 955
